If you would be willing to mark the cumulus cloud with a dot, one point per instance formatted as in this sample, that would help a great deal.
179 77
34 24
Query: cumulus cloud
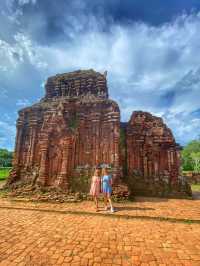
151 68
185 126
7 132
138 56
23 102
24 2
22 50
3 93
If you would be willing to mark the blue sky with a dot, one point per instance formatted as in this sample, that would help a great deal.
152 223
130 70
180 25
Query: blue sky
149 48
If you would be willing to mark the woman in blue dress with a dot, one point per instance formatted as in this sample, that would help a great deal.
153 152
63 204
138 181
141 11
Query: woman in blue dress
107 189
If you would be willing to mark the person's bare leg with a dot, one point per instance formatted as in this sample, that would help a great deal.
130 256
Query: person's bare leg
110 202
96 202
105 202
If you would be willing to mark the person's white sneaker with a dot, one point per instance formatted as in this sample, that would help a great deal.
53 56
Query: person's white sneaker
112 210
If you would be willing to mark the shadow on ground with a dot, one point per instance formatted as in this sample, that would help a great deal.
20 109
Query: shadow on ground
128 208
196 195
150 199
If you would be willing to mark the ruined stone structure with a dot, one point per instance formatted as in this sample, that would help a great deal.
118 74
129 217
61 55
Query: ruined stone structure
153 157
72 129
76 127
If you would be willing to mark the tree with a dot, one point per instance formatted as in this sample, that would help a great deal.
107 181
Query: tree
196 161
187 159
5 158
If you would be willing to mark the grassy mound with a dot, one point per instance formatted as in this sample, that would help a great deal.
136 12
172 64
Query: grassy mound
4 173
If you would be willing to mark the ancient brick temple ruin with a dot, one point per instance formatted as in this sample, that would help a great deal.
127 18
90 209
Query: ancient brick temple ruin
76 127
153 157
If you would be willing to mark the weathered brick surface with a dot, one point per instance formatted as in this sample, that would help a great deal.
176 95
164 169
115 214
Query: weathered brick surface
153 157
26 238
76 127
77 84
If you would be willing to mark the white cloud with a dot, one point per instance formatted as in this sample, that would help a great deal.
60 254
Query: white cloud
22 51
23 102
138 56
24 2
7 135
185 127
3 93
144 63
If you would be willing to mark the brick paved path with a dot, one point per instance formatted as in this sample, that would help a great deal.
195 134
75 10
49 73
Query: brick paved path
42 234
150 207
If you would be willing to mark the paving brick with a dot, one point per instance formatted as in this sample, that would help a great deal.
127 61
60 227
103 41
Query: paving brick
31 237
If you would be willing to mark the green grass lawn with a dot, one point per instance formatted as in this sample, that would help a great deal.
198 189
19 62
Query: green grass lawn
4 172
196 187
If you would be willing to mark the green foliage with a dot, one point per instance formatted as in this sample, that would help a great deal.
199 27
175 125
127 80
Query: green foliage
195 187
4 173
196 161
190 155
80 183
5 158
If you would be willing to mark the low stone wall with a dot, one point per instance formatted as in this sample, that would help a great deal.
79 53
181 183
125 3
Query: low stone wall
193 178
161 187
